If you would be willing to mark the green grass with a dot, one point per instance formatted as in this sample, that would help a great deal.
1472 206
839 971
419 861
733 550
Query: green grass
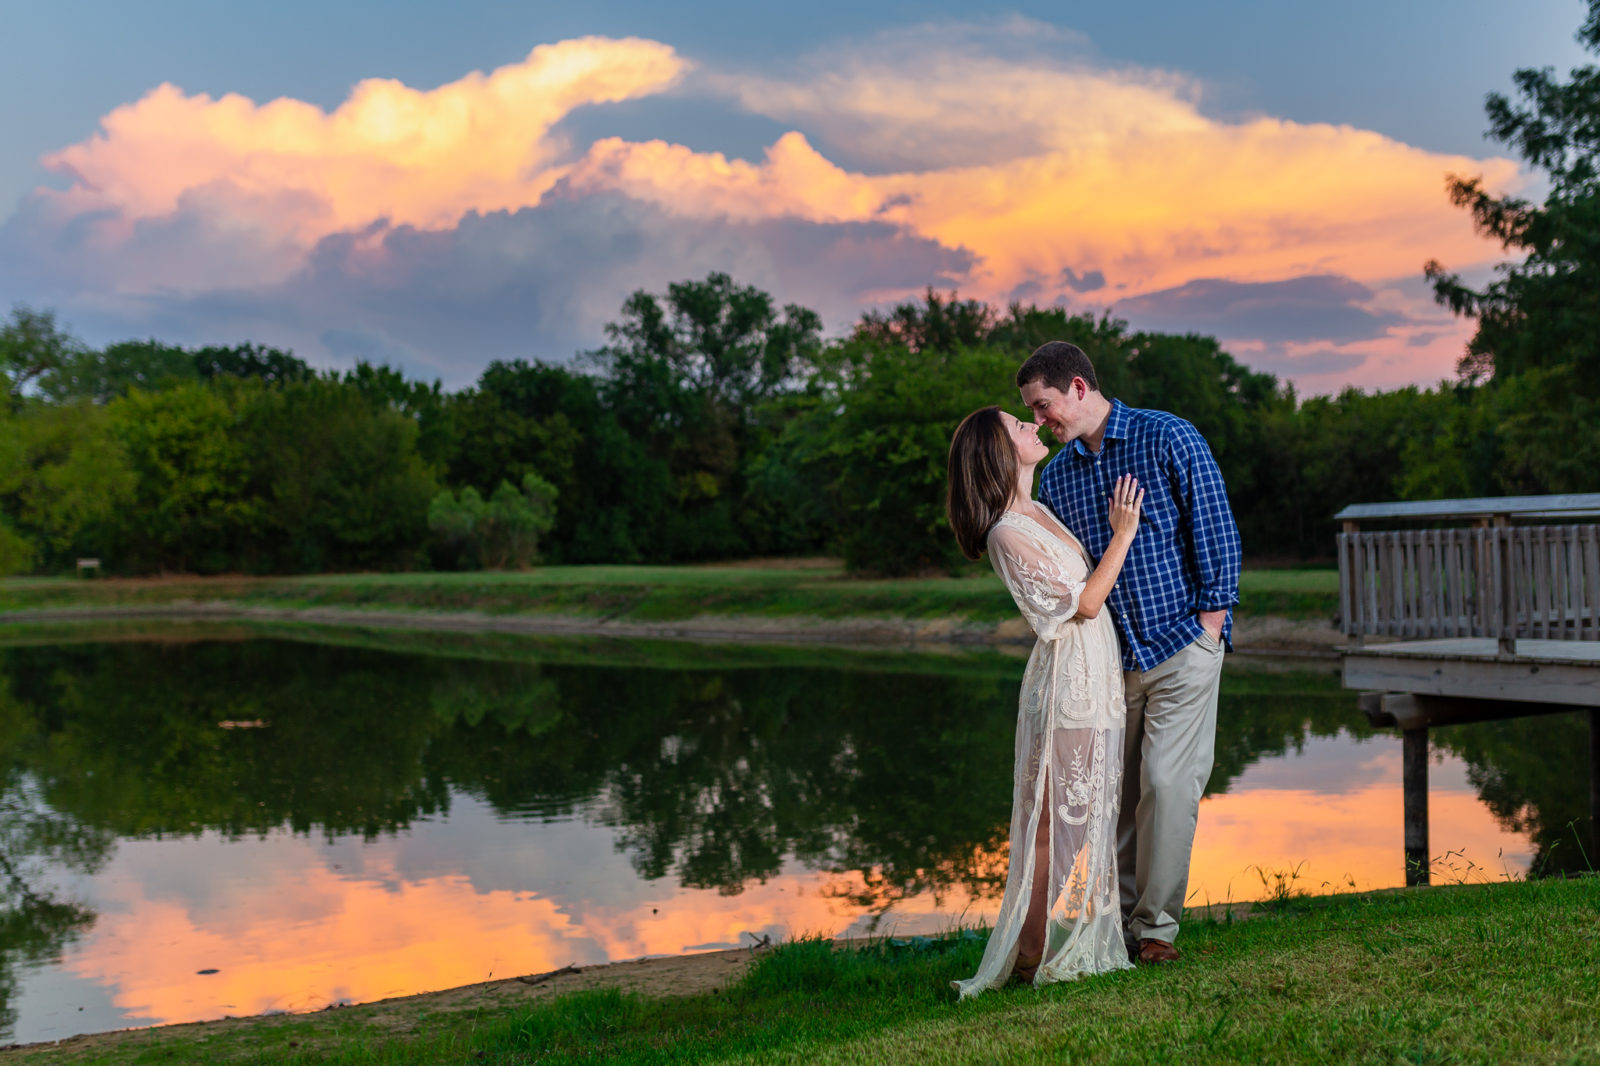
1299 594
1502 973
633 593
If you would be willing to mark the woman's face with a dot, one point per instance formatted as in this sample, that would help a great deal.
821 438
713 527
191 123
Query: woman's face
1025 439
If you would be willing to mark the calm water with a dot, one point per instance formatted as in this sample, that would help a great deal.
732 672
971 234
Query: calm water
323 822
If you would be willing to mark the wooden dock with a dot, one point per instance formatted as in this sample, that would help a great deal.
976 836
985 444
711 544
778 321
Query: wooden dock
1499 603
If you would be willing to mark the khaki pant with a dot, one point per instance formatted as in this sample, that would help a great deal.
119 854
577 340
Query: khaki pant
1167 756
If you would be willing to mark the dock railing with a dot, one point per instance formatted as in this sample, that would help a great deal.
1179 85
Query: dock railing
1491 578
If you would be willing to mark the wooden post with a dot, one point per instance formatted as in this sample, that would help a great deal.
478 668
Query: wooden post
1414 774
1506 587
1349 592
1594 787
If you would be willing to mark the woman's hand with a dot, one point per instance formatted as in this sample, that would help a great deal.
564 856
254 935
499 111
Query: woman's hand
1126 499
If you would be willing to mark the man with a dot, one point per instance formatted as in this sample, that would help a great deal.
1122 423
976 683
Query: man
1172 609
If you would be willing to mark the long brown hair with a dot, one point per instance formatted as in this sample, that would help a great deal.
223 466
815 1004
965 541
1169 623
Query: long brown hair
983 476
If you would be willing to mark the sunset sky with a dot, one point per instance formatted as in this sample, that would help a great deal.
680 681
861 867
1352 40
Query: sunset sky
437 186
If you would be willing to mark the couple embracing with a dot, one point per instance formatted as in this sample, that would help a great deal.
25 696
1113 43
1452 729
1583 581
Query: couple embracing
1125 568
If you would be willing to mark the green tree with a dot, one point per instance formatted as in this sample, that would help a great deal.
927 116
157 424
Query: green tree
272 366
1531 773
1537 342
191 467
1334 451
689 378
936 324
531 418
453 519
499 533
422 403
16 550
887 425
101 376
854 437
1543 312
715 341
949 324
334 481
32 346
63 479
35 842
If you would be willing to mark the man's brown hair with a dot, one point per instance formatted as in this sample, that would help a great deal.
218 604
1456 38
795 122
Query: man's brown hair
1055 365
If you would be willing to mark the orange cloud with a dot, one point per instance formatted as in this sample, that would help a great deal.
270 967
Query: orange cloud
1032 168
794 181
1150 206
1030 171
422 157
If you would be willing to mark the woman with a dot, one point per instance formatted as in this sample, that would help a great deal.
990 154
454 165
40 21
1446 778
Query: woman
1060 917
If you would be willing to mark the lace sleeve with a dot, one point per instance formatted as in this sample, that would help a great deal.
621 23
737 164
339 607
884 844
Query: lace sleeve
1045 590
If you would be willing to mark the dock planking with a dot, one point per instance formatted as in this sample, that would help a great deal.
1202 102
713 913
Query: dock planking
1509 613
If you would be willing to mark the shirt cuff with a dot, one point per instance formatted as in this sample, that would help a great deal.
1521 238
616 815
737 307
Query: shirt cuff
1216 601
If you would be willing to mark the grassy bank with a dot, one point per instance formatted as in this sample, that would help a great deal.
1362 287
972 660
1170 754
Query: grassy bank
1506 972
1247 676
633 593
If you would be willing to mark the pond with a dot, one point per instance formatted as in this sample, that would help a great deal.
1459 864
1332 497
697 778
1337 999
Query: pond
199 822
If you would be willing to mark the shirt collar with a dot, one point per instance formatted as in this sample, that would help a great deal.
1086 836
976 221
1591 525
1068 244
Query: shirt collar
1116 429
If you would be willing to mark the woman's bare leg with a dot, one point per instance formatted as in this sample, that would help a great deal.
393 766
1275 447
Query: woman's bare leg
1031 941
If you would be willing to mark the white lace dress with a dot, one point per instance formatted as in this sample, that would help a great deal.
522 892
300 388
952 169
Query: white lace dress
1068 764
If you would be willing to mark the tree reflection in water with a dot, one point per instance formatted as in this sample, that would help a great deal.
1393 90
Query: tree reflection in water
35 924
1533 773
714 767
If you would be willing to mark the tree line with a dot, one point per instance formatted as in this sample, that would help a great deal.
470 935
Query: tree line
715 423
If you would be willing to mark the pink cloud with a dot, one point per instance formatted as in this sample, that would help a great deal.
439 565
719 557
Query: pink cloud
1033 172
422 157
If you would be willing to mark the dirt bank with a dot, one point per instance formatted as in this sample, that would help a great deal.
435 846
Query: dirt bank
677 975
1251 634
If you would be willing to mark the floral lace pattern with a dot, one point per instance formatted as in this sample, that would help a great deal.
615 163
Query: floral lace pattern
1069 765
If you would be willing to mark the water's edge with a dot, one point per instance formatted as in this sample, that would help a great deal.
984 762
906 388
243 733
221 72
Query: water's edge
1252 635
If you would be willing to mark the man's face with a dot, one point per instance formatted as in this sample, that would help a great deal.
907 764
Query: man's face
1054 409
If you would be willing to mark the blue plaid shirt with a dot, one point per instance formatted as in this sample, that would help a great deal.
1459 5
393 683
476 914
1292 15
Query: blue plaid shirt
1186 556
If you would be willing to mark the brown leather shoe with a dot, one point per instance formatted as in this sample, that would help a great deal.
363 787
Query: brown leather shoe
1156 952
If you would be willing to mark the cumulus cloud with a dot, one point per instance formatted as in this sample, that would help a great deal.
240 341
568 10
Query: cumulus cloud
1004 160
1316 307
419 157
944 94
537 282
1258 201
